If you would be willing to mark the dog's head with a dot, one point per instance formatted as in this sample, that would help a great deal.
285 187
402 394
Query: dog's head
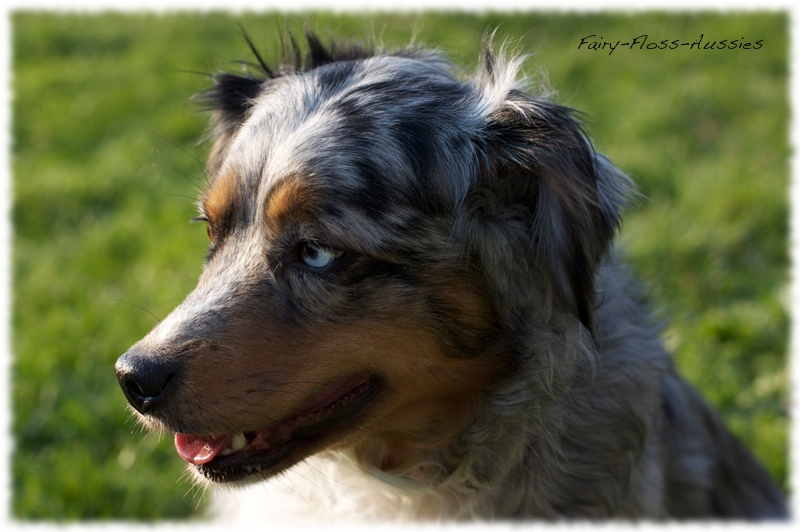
382 235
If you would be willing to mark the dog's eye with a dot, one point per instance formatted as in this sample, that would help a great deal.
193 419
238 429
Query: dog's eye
318 256
209 228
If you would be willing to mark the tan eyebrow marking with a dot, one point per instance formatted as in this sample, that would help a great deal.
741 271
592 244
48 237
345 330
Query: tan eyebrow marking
290 199
219 199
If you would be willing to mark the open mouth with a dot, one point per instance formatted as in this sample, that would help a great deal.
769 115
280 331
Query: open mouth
233 457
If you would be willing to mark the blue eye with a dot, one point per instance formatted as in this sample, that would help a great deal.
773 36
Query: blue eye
318 256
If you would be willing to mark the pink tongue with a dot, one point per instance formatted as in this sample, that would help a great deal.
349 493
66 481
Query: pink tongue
197 449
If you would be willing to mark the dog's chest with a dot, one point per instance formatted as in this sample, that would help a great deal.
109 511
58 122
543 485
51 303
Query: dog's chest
324 489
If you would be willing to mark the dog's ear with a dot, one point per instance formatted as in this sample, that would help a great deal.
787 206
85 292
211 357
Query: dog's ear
540 160
230 100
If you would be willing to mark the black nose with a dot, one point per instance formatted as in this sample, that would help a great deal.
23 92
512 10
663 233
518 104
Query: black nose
146 381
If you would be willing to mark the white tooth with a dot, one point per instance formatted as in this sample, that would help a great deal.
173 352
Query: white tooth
226 452
238 442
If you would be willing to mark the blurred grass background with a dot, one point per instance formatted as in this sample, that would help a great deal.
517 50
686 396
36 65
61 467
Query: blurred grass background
106 167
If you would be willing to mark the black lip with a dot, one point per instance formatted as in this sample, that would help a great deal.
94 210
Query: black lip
222 473
303 443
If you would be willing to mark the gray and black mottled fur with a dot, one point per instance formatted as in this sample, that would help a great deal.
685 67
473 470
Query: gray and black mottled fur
476 217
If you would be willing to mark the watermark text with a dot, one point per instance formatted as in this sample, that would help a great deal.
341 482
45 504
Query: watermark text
598 43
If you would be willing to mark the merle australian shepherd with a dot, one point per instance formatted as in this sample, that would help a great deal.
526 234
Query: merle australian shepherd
411 309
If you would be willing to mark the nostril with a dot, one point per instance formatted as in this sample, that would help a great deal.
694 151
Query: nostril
143 395
146 386
145 381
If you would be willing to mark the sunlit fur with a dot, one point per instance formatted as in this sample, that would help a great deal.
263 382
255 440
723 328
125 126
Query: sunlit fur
520 374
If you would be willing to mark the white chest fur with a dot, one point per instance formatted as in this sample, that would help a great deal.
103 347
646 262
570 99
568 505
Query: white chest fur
325 489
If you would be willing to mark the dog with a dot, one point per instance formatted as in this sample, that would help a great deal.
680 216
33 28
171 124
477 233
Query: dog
411 308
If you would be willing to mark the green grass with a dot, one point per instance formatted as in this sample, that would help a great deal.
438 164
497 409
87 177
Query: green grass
106 168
